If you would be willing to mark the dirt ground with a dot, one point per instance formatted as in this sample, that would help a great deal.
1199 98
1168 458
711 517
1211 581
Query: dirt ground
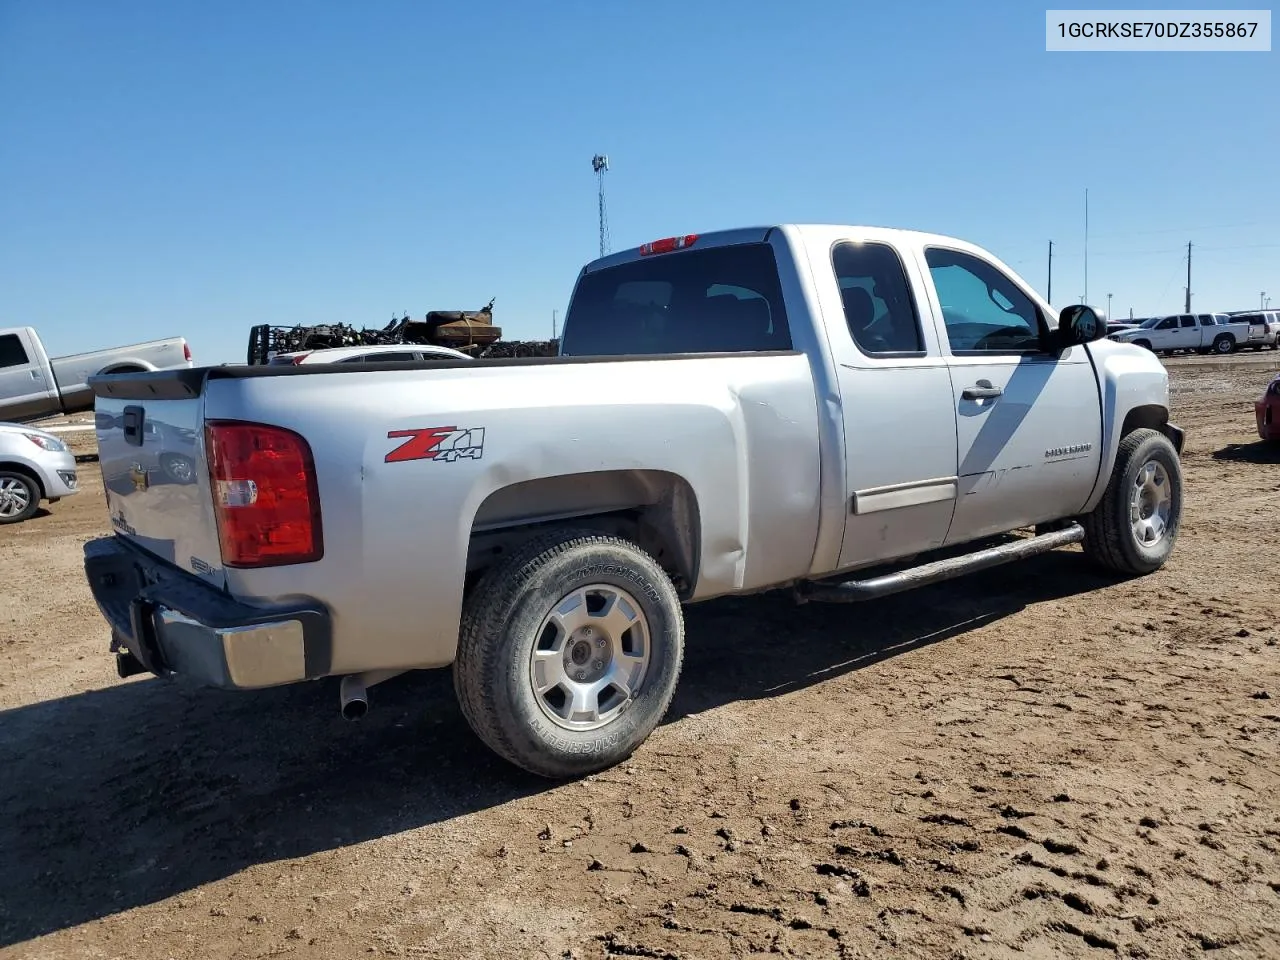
1032 762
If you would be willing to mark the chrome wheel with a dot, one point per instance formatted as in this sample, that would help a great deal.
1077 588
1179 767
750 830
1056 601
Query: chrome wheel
15 497
1150 503
591 657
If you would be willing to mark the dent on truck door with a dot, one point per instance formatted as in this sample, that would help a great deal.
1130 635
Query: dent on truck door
1028 421
895 393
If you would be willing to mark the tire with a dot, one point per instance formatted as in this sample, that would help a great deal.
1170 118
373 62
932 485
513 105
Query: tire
511 613
1144 344
1224 343
19 497
1147 476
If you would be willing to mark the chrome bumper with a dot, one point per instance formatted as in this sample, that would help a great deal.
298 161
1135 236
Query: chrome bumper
167 622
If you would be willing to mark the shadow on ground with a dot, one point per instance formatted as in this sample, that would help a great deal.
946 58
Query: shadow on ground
127 795
1260 451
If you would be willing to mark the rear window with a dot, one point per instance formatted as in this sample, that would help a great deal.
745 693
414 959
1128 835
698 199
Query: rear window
724 299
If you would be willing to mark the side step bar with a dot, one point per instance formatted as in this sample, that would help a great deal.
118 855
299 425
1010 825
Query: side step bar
855 591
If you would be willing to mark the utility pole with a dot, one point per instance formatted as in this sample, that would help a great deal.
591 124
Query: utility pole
1086 246
1049 296
600 164
1108 307
1262 300
553 324
1187 308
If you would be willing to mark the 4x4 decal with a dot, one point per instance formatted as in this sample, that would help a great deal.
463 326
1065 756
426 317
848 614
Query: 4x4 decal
437 443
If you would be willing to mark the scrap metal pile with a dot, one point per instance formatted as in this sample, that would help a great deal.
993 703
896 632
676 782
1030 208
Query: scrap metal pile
472 332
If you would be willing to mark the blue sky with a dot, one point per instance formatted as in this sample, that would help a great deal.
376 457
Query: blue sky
183 168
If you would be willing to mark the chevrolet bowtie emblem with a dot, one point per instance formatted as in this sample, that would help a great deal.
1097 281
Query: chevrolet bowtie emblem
139 477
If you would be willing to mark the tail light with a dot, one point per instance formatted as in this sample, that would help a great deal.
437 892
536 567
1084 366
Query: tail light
265 497
299 358
186 352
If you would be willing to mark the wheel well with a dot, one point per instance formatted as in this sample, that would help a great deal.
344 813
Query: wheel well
655 510
26 472
1151 416
124 368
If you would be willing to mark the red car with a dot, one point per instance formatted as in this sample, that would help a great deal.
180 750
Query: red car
1268 411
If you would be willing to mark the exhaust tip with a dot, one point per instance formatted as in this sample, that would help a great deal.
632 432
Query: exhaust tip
355 709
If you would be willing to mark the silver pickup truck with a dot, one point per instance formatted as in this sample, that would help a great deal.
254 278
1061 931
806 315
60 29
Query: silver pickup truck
34 385
840 412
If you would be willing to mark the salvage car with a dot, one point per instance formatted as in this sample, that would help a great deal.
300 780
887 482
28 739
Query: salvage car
835 411
35 465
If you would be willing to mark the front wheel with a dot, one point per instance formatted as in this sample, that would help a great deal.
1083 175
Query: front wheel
19 497
1133 528
569 653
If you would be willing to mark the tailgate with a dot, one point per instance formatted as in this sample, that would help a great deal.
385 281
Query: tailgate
156 479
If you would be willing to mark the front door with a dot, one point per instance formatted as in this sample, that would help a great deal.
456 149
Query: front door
895 394
1028 421
24 392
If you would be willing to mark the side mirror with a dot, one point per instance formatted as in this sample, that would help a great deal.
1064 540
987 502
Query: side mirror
1079 324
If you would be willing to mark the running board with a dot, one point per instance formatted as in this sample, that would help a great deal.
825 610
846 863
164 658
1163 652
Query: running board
855 591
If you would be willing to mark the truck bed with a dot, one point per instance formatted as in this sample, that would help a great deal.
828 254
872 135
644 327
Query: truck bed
548 437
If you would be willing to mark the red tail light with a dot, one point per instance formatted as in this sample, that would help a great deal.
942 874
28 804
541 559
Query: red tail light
186 352
265 497
299 358
669 244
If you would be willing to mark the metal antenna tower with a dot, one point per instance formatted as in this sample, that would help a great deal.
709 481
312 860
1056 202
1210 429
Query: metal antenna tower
600 164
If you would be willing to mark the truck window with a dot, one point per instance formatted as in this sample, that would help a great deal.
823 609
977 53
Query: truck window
724 299
12 353
1168 323
1191 321
984 312
878 306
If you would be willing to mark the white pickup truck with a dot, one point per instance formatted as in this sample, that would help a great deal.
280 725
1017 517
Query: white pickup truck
34 385
789 407
1203 333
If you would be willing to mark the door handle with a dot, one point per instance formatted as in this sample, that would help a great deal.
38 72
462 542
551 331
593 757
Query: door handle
982 390
35 374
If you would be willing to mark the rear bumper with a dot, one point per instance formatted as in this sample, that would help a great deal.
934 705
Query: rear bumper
173 623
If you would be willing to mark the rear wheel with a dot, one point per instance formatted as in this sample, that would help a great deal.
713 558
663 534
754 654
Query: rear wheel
1224 343
569 653
19 497
1133 529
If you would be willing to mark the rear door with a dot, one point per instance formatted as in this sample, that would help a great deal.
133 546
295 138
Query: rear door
25 390
895 394
1028 421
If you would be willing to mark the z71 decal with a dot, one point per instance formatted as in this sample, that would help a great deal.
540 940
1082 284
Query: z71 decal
437 443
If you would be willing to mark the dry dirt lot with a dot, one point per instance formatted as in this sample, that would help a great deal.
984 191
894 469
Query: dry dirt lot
1032 762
